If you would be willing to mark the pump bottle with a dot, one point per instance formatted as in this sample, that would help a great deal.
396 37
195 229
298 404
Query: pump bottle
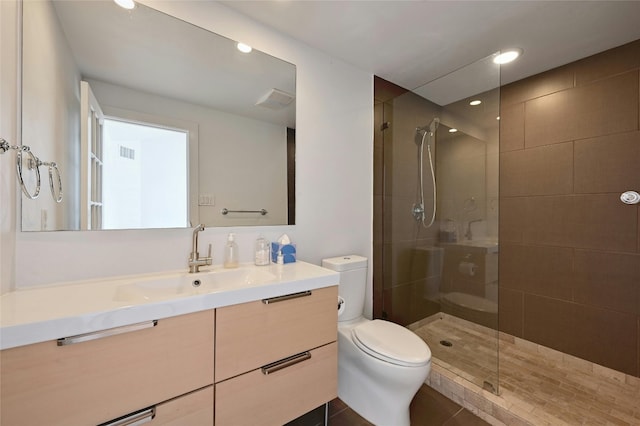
231 252
262 252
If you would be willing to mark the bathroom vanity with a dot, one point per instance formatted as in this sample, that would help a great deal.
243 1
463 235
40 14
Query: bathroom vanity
224 347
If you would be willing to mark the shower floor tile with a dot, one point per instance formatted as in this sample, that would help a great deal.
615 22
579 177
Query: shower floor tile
537 385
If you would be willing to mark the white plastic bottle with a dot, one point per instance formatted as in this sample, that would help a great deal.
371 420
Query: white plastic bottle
231 252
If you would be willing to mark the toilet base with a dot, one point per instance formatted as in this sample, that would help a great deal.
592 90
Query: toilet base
378 391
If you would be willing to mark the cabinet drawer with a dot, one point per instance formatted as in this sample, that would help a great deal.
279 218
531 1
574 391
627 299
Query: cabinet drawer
253 334
281 396
194 409
99 380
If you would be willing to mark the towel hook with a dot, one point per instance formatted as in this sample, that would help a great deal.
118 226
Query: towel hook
53 167
33 163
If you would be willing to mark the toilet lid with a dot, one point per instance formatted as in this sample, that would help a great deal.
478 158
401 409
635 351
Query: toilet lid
391 343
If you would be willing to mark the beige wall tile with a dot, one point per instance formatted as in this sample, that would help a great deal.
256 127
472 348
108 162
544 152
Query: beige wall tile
512 214
378 218
399 223
539 85
605 337
605 107
512 127
378 283
378 150
583 221
607 280
611 62
546 170
541 270
510 311
385 90
607 163
548 321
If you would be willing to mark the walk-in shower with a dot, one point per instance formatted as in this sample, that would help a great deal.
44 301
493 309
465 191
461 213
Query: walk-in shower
568 327
437 252
426 133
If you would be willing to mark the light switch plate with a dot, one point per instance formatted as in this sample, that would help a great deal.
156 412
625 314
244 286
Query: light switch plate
206 200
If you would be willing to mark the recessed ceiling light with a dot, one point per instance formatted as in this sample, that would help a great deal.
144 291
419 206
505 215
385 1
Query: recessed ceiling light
126 4
244 48
475 102
453 130
498 118
506 56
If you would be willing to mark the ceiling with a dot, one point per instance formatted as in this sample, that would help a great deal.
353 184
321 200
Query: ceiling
411 43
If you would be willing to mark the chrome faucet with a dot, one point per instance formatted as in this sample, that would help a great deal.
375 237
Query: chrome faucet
468 235
195 261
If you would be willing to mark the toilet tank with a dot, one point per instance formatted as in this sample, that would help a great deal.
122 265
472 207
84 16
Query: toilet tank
353 281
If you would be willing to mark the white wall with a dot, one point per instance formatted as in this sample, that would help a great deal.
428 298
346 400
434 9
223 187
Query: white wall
9 131
334 174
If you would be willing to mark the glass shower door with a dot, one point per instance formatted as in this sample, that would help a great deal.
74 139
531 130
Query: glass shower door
436 249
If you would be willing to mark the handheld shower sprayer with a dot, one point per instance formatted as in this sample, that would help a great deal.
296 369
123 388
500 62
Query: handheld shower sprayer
433 126
429 131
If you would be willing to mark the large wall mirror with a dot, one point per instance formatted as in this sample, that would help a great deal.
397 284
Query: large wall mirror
151 122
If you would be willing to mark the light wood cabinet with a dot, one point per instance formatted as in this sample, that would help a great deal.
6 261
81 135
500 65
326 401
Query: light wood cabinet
294 335
98 380
274 360
277 398
193 409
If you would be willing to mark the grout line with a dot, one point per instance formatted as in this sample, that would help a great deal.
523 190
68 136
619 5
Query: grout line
456 413
338 412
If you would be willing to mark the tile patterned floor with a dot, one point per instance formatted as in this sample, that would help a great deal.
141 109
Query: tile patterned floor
537 385
428 408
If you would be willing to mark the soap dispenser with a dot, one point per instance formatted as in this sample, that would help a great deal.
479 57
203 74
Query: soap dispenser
231 252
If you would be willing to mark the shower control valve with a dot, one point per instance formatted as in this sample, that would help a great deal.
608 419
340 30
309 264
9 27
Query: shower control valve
630 197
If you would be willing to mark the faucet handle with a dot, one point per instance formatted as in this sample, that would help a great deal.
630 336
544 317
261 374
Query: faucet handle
209 254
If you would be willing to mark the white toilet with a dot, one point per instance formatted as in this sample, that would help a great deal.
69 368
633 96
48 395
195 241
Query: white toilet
381 365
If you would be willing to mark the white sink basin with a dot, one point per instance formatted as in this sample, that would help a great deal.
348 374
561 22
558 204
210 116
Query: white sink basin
165 286
243 276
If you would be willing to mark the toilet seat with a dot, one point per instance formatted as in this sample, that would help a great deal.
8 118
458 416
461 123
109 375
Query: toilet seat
391 343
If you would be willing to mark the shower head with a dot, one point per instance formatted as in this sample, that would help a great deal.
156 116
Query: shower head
430 128
433 126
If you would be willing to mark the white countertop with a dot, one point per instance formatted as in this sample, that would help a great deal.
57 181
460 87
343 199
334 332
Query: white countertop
48 313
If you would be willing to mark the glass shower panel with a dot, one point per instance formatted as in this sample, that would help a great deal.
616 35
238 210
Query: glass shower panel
439 163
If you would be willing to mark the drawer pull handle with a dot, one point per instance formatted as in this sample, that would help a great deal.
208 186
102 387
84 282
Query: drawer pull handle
64 341
286 297
134 419
284 363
